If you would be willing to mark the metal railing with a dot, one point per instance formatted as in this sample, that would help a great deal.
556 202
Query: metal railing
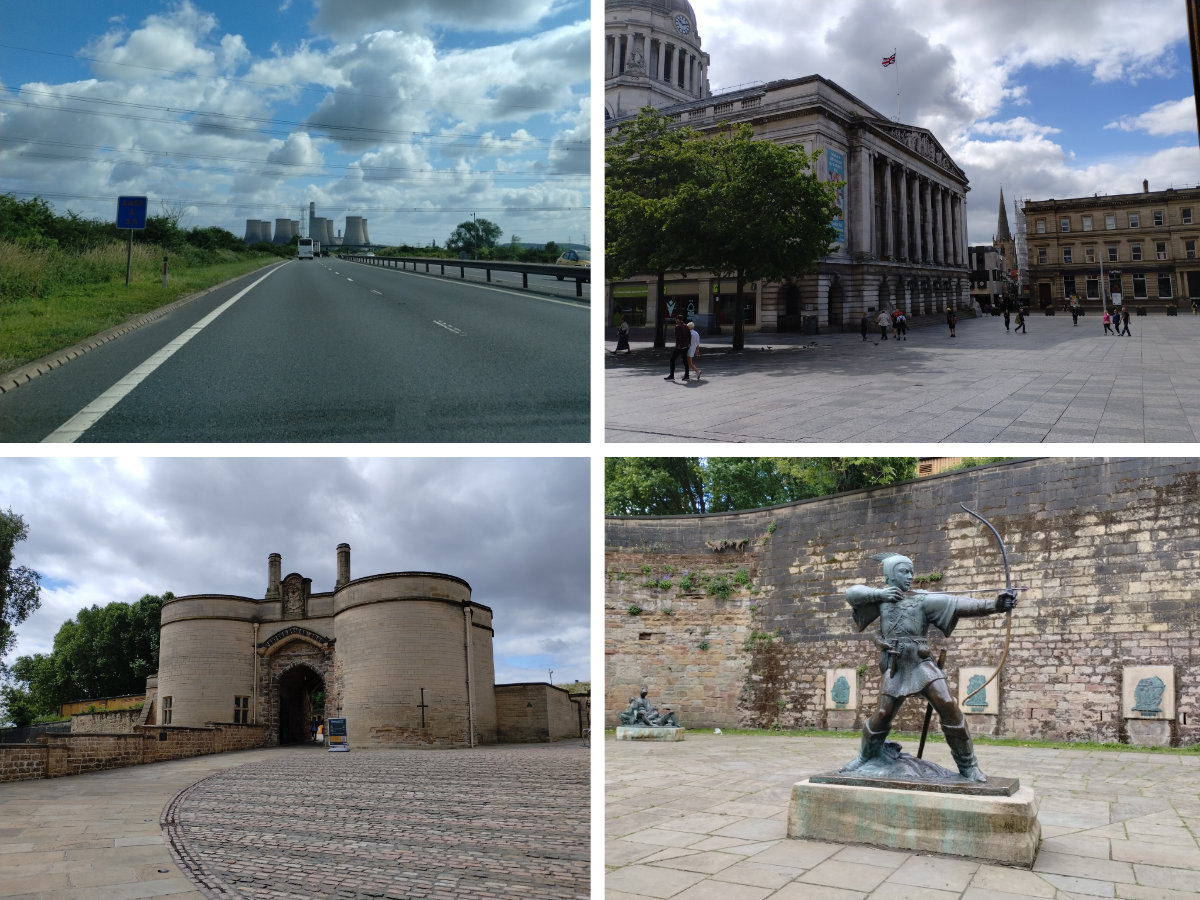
581 275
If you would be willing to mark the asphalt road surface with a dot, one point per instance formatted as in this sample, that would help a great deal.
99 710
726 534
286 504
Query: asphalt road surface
325 351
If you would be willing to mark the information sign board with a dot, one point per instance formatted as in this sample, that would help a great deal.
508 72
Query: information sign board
131 212
337 735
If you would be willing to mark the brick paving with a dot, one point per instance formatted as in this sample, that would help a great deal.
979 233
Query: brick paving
493 823
706 819
1057 383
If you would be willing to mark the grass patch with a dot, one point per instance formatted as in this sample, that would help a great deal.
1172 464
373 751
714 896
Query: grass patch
51 298
935 736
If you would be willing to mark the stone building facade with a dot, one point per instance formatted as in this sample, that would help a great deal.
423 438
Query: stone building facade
1138 247
740 619
902 234
405 657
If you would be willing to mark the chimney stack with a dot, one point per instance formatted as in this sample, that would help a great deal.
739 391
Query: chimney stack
274 567
1145 186
343 565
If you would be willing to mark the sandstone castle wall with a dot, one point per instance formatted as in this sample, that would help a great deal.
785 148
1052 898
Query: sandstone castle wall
1109 550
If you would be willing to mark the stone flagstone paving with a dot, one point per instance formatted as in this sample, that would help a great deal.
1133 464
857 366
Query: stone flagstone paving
706 819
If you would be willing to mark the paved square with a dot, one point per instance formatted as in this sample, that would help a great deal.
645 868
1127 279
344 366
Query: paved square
1056 383
493 823
1114 824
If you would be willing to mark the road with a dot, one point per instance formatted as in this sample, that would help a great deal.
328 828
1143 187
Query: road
326 351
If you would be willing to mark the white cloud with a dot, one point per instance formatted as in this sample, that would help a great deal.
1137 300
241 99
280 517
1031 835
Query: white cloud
1168 117
344 18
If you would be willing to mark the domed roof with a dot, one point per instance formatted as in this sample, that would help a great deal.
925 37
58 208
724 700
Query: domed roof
666 7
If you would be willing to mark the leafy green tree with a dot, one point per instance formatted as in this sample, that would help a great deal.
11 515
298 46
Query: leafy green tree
653 486
682 485
474 237
648 225
20 587
763 212
104 651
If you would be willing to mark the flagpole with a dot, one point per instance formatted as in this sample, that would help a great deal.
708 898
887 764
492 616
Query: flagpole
897 84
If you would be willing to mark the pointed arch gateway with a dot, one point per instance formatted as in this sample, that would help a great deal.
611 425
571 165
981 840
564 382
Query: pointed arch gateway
296 683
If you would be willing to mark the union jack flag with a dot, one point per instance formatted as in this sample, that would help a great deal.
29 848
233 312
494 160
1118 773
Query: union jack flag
889 60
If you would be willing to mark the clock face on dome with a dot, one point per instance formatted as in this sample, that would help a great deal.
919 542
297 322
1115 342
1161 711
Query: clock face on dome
682 25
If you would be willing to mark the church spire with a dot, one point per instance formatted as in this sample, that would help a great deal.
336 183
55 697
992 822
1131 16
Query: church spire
1002 230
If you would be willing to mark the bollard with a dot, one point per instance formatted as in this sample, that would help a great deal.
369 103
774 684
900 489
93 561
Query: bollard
164 272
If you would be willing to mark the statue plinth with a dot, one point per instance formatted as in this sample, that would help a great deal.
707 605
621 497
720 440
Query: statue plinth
1000 827
645 733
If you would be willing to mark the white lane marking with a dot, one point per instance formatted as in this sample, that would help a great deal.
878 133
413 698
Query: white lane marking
447 327
350 279
380 293
73 428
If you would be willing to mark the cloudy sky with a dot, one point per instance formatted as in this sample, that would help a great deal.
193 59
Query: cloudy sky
103 530
1048 99
411 113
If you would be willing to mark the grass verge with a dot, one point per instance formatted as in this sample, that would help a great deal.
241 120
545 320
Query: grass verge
1191 749
50 300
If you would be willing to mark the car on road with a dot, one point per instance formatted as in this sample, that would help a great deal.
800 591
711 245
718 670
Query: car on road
574 258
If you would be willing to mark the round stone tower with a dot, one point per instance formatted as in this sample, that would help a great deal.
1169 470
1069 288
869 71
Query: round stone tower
652 56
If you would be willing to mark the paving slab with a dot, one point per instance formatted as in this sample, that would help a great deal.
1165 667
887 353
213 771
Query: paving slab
1093 794
1059 383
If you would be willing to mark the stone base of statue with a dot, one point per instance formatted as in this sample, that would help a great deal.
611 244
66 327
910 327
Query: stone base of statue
904 803
646 733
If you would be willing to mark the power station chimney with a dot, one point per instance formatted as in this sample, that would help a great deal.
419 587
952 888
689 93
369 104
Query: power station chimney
274 567
343 565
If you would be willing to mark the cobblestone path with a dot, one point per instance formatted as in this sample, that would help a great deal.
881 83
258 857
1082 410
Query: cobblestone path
491 823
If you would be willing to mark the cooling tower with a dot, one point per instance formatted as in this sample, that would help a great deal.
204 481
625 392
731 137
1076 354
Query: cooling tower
257 231
327 232
355 235
312 218
283 231
366 236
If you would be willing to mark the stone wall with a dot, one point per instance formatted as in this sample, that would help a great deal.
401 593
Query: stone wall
72 754
532 712
113 722
1108 550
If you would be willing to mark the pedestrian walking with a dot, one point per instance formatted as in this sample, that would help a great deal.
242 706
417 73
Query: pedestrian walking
1020 322
623 336
883 320
1074 310
864 325
1006 318
952 320
682 342
1107 323
1125 324
901 327
1116 322
693 349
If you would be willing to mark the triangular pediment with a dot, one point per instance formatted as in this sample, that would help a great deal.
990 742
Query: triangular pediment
921 142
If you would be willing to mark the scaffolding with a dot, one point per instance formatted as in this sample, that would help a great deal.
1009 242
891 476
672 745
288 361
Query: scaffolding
1020 248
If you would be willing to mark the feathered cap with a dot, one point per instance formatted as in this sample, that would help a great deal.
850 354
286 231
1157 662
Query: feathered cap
890 561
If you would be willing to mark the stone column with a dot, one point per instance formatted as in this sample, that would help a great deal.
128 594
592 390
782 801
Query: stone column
904 250
915 188
863 201
947 232
939 248
927 219
888 234
274 570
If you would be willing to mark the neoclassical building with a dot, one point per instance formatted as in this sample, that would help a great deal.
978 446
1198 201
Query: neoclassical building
902 237
1134 249
405 657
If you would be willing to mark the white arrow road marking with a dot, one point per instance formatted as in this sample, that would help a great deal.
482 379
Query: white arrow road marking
74 427
380 293
447 327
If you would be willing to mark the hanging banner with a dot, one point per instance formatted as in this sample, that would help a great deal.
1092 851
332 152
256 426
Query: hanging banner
835 168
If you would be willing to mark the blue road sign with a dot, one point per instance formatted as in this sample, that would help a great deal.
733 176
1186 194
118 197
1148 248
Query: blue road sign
131 212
